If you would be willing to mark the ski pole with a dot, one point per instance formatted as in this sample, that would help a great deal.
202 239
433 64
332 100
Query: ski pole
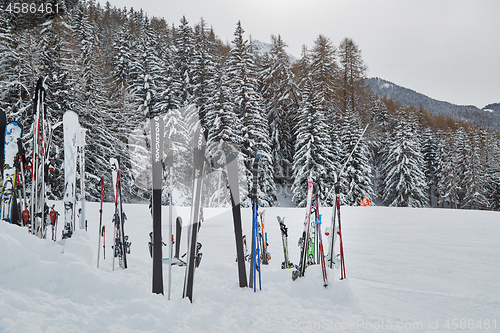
104 242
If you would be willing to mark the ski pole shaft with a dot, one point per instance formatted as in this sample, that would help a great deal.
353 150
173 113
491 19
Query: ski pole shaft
100 222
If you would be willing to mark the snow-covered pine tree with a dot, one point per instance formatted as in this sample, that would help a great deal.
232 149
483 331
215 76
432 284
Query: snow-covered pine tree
476 175
204 67
357 178
324 73
303 69
404 178
313 154
10 84
461 150
281 95
147 69
183 65
492 162
242 73
376 134
225 133
430 153
225 126
448 179
121 63
439 166
168 99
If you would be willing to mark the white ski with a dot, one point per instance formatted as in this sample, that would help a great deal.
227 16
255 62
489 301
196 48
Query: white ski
12 132
71 125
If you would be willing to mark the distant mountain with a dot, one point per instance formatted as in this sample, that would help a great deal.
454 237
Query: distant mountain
469 113
495 107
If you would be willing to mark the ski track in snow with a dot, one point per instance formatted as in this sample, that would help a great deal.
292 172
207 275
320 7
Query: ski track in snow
403 265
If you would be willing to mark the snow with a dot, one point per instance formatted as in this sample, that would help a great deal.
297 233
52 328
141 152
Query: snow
407 270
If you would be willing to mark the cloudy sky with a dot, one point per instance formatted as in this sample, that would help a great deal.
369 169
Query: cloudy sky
446 49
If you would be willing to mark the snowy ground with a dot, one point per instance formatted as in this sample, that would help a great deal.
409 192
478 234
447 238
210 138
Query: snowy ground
408 270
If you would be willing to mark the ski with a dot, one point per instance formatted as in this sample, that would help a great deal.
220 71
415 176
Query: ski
311 254
70 129
305 239
266 256
193 255
121 245
13 132
101 227
178 230
321 254
157 162
284 238
37 201
255 256
22 182
332 231
232 177
3 123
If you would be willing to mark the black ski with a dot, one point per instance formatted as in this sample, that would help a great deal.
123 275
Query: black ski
193 255
232 177
22 181
121 245
157 160
304 241
284 237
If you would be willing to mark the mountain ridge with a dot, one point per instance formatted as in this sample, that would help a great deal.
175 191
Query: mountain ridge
407 96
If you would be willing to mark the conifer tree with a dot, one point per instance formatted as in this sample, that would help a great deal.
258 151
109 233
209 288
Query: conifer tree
430 154
312 148
356 179
475 177
242 73
404 178
184 59
352 72
204 66
448 183
281 95
323 72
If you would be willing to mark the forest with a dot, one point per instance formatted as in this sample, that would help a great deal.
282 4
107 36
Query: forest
113 66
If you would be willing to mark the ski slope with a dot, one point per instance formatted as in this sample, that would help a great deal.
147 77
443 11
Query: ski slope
408 270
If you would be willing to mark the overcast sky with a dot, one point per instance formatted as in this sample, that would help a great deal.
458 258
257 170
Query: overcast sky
446 49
